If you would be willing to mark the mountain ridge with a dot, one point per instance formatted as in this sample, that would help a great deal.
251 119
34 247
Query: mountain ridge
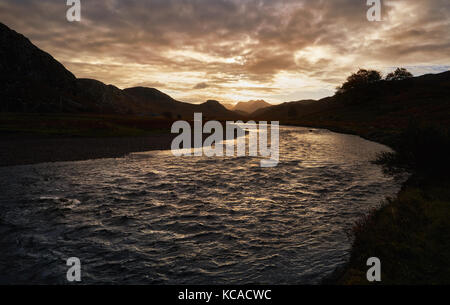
251 106
31 80
376 112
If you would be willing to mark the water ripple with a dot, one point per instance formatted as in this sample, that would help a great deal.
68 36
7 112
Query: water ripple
155 219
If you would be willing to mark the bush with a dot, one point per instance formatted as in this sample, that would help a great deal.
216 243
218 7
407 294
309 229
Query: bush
360 80
420 148
399 74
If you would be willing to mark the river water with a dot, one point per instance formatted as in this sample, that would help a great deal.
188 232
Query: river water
152 218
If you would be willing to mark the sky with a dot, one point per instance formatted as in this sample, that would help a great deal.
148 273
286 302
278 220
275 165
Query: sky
236 50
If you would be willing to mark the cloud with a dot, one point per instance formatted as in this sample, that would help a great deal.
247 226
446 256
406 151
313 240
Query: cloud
234 49
201 86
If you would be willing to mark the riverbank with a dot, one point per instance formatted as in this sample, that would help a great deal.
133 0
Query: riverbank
409 233
29 138
38 138
34 149
270 214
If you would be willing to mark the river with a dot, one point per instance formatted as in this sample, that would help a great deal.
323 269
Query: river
152 218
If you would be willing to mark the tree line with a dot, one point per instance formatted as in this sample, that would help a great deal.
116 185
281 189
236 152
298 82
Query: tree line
363 78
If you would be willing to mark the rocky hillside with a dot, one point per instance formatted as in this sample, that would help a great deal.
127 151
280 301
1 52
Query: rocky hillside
31 80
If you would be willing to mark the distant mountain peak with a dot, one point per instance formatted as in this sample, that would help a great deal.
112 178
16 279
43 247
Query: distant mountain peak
228 106
213 102
146 92
251 106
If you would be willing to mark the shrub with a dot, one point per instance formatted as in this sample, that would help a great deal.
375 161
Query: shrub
360 80
399 74
420 148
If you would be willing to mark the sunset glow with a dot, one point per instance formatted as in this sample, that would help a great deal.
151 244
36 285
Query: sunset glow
235 50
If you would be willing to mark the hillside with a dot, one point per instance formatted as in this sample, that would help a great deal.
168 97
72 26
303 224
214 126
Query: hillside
381 111
32 81
292 110
229 106
152 101
250 106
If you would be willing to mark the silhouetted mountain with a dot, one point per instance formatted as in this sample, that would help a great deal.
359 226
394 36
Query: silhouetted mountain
105 98
228 106
291 110
375 111
152 101
251 106
31 80
242 113
150 94
213 108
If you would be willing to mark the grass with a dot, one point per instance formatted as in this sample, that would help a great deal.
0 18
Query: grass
410 234
423 148
80 125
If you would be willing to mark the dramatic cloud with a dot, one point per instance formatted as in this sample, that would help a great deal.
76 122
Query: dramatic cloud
234 50
201 86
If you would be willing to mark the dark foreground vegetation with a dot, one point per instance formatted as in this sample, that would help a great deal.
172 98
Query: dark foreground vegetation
35 138
411 232
80 125
28 138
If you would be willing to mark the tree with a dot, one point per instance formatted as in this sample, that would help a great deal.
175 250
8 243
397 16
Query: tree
399 74
360 80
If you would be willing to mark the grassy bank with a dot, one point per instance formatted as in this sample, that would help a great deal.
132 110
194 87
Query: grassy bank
37 138
410 233
80 125
29 138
